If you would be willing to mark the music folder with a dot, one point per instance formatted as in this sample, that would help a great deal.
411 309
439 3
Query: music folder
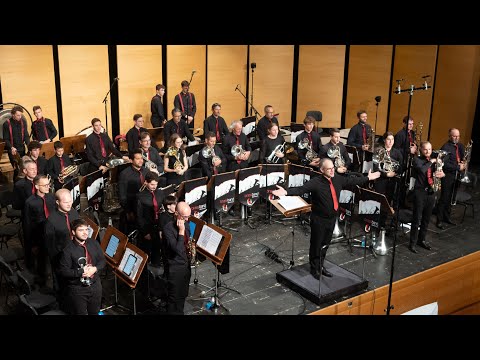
291 205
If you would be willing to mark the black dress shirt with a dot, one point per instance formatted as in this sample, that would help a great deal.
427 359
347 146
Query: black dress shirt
145 212
355 136
22 190
158 115
268 145
133 139
189 107
34 216
164 218
450 164
94 150
40 127
315 143
206 164
343 152
262 125
210 124
230 140
319 187
129 183
54 166
421 166
175 244
69 268
41 163
153 155
18 141
57 233
402 141
181 129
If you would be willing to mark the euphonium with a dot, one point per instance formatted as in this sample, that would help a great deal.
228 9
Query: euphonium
66 172
437 182
334 153
466 159
273 158
237 150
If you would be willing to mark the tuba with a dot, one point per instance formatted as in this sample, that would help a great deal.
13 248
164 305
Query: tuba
272 158
437 182
466 159
334 153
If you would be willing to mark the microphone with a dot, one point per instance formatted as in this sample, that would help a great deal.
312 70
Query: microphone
378 98
116 79
132 233
194 71
236 88
426 76
425 84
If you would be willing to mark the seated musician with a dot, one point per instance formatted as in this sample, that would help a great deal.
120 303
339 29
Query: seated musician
57 164
99 146
24 187
262 126
239 160
216 124
312 140
34 154
216 163
272 141
175 163
176 125
340 158
133 135
153 160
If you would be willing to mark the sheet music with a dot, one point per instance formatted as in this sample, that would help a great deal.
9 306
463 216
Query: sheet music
291 202
190 143
367 165
294 135
209 240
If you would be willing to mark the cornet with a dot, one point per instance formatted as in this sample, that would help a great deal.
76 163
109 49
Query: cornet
273 158
237 150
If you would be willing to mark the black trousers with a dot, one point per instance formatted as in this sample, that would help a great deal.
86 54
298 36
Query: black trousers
443 209
178 280
84 300
320 236
422 211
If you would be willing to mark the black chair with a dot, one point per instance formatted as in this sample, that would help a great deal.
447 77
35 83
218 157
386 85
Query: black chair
317 115
30 309
464 198
6 201
7 232
405 216
193 173
7 274
38 300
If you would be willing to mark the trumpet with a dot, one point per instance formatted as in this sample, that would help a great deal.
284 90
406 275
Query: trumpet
66 172
209 152
237 150
273 158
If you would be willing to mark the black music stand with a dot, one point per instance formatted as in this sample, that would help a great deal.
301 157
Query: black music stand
249 126
191 151
352 150
248 191
371 207
156 134
222 189
298 175
74 186
271 175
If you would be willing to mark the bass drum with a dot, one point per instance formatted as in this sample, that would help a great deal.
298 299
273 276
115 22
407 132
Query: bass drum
5 114
88 130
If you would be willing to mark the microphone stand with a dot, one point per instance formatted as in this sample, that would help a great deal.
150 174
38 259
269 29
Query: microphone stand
191 77
105 101
248 102
251 95
376 115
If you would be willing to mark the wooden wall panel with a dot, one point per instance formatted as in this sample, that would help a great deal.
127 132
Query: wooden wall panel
227 67
28 79
320 82
181 61
84 80
456 90
273 79
139 70
368 76
411 63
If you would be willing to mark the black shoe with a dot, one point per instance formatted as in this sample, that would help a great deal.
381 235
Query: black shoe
249 211
231 212
449 221
326 273
424 245
412 249
315 274
440 225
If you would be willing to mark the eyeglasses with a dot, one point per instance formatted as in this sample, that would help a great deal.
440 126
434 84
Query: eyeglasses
328 169
184 217
43 184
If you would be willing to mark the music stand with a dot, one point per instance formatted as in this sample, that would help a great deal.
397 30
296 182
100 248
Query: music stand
249 126
195 192
74 144
371 207
74 186
303 207
222 188
156 134
298 175
248 190
47 150
93 229
192 154
353 154
271 175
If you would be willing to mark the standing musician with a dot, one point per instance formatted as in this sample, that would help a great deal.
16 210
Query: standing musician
156 107
150 153
216 124
343 153
324 191
313 141
263 123
58 232
358 135
169 205
15 135
405 139
24 188
424 196
175 162
43 129
99 146
273 144
176 125
149 205
34 154
215 164
452 165
133 135
57 164
185 101
236 137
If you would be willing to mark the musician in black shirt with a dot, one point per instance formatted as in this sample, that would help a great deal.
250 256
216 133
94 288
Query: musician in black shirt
176 125
343 153
169 205
82 258
149 204
56 164
152 159
405 138
175 155
43 129
133 135
15 135
217 163
452 165
34 154
130 181
359 134
271 143
185 101
313 139
216 124
262 126
98 148
156 107
236 137
424 196
324 191
176 235
24 187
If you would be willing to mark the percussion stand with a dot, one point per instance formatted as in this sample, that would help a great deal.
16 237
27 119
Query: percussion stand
105 101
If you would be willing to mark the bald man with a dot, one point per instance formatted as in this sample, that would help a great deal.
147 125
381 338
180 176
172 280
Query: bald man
57 230
176 235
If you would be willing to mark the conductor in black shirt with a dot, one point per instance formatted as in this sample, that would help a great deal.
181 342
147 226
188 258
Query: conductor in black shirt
156 106
185 101
324 191
265 121
80 262
215 123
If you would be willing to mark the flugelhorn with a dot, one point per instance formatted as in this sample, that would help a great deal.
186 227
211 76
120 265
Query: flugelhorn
273 158
66 172
237 150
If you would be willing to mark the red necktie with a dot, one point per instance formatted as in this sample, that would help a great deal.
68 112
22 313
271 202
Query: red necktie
33 188
142 179
102 146
218 131
87 255
457 153
310 138
409 137
68 225
238 143
364 134
155 205
62 164
45 209
178 128
334 195
429 174
45 129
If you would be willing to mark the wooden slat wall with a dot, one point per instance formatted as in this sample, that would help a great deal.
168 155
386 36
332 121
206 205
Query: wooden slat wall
84 80
411 63
139 71
456 92
181 61
28 79
227 67
272 79
320 82
368 76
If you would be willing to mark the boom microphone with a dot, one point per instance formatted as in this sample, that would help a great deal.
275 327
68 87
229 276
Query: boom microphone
236 88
